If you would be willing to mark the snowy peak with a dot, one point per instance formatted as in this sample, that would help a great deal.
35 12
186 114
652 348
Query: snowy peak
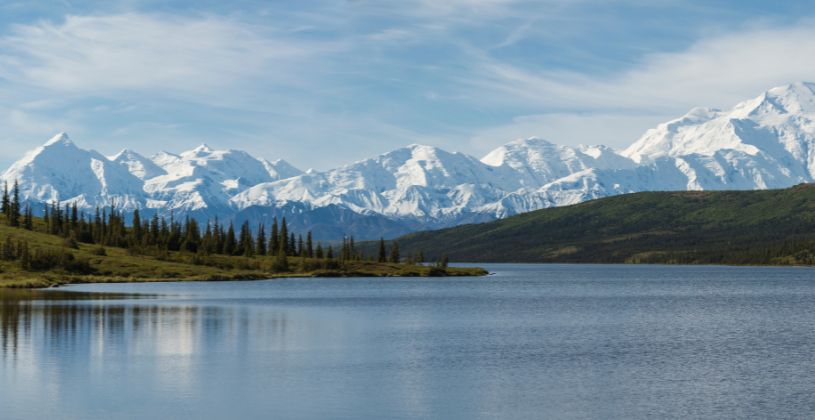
60 171
280 169
778 122
163 158
138 165
537 161
61 139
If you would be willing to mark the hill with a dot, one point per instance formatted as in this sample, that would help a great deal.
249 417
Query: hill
706 227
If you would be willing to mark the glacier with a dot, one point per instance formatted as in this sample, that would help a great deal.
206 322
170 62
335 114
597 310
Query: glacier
763 142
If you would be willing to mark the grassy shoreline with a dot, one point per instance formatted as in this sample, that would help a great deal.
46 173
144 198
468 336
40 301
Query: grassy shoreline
46 280
88 265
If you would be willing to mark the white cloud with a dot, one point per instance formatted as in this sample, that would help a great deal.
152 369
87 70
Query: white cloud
91 54
717 71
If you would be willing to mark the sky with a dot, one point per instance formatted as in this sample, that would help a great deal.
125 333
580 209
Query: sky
323 83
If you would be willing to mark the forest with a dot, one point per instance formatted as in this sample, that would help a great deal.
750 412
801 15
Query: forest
66 245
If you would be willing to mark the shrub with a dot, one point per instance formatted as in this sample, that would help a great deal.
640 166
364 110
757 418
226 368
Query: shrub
70 242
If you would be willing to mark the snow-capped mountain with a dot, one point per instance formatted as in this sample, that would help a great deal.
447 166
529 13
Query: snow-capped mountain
765 142
204 179
60 171
138 165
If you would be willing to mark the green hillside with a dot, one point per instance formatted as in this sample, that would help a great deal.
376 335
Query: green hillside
727 227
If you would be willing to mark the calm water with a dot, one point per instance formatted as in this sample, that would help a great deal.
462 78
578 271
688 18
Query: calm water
531 341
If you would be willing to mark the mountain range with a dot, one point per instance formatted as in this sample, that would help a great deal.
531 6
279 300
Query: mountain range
765 142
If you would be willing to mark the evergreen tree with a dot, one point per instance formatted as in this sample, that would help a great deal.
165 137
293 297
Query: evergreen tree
137 232
318 253
192 236
292 245
274 238
28 218
282 262
309 245
383 257
300 246
74 216
245 244
261 240
207 243
155 231
330 253
14 214
283 239
5 205
217 237
395 252
230 243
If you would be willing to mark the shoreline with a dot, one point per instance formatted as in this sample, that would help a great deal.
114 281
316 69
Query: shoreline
47 281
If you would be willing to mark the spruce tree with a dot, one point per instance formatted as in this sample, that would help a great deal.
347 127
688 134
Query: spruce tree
246 246
292 245
28 218
395 252
383 257
318 253
274 238
261 240
282 263
309 245
74 216
230 243
283 239
14 218
137 232
207 246
5 206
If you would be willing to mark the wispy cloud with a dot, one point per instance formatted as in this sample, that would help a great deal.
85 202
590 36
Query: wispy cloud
286 79
575 107
136 52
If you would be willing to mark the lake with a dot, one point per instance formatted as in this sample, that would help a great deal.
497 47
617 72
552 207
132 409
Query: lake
530 341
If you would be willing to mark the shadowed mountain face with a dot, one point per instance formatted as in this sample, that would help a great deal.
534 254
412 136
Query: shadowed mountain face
765 142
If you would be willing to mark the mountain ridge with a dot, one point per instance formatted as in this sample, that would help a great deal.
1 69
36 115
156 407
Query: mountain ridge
764 142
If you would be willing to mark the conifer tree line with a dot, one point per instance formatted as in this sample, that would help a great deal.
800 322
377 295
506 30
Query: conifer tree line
107 227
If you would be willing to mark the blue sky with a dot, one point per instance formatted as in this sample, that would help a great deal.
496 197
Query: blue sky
323 83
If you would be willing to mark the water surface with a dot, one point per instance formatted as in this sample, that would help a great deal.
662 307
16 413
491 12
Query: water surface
531 341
